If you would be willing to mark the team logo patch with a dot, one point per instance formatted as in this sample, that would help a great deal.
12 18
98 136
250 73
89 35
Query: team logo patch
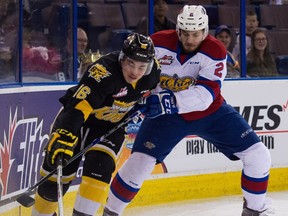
121 93
166 60
149 145
98 72
115 112
176 83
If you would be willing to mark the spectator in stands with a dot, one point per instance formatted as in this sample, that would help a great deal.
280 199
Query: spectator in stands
161 22
251 24
8 39
84 58
259 60
223 34
3 8
278 2
40 60
9 29
67 53
6 65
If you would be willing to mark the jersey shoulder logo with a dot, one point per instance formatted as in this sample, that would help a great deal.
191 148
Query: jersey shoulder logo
98 72
165 60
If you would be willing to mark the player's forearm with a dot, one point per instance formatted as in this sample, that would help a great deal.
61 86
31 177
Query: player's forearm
196 98
70 119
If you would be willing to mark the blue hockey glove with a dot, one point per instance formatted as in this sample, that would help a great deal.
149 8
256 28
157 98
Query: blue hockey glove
160 103
61 144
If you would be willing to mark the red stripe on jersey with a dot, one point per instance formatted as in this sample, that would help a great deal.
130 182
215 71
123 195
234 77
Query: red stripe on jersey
210 85
217 101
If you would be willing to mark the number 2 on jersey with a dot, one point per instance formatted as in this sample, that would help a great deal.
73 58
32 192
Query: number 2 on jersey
218 70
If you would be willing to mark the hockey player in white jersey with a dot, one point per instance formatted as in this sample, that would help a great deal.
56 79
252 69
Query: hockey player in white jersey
189 102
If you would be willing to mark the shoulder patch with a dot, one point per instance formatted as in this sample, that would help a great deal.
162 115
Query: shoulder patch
166 60
98 72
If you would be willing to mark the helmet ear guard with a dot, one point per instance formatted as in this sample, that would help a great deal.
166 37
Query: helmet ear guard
193 18
140 48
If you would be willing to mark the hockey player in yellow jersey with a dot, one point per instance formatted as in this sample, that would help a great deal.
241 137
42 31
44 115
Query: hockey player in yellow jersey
105 95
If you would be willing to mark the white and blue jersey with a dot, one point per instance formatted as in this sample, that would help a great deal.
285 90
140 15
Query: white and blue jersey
196 79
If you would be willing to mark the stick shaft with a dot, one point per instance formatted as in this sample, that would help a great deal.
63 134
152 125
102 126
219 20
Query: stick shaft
60 188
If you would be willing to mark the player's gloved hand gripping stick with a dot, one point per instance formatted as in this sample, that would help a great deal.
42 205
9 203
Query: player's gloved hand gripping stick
27 201
160 103
61 143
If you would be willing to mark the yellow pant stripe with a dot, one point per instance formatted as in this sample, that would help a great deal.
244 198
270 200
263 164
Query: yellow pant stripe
53 178
43 206
93 189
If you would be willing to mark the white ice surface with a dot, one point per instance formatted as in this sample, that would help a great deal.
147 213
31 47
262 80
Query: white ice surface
223 206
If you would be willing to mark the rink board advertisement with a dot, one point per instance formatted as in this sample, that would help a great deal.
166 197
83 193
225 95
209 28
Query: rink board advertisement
27 113
24 130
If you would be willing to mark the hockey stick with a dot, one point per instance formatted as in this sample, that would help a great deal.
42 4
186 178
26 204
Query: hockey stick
60 188
25 200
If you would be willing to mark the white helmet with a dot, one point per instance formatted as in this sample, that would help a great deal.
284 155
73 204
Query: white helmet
193 18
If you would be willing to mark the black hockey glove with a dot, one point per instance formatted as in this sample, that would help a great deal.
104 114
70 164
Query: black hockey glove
61 144
160 103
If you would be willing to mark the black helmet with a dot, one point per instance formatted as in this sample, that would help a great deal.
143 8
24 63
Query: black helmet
139 47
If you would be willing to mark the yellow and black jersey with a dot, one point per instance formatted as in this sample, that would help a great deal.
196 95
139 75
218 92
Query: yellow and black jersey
103 97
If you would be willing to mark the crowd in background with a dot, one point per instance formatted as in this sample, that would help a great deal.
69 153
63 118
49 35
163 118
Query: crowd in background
47 50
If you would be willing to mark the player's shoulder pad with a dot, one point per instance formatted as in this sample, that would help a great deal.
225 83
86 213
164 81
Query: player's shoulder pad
166 38
213 48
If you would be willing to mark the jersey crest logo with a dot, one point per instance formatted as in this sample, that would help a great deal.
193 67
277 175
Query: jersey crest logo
98 72
166 60
121 93
176 83
115 112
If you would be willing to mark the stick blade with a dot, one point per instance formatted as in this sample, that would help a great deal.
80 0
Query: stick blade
25 200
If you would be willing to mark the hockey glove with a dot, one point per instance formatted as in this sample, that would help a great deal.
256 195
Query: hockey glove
61 144
160 103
